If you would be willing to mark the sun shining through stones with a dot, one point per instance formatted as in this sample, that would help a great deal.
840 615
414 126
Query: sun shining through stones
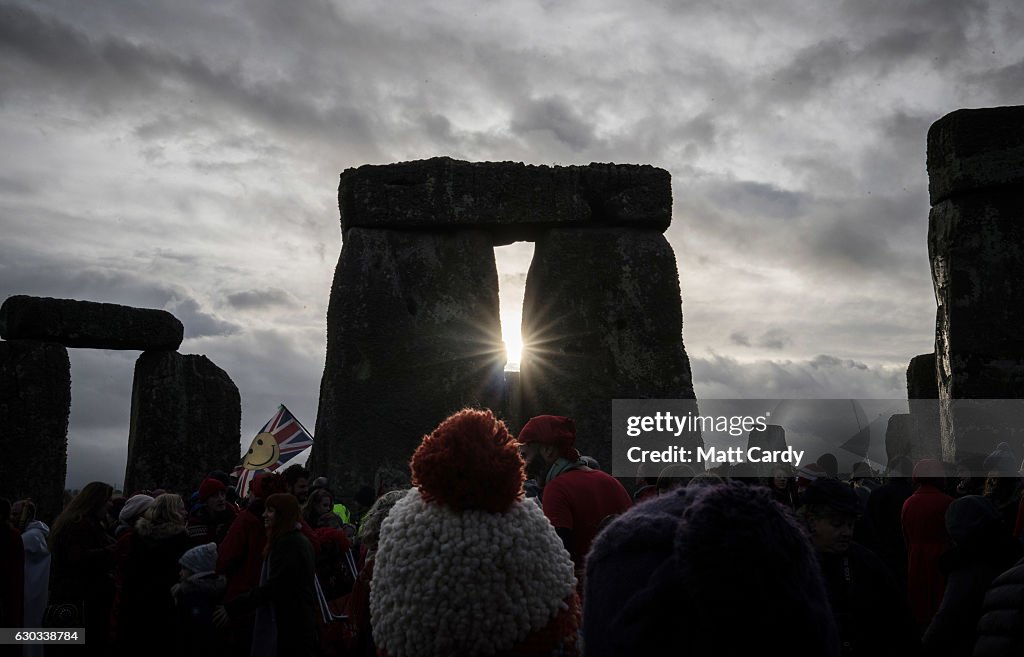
414 330
512 262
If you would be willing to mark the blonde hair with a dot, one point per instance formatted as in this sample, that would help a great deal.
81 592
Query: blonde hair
164 510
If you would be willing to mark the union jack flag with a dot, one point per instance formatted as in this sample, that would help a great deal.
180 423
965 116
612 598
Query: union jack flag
292 439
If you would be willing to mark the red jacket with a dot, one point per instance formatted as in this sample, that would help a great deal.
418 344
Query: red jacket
924 530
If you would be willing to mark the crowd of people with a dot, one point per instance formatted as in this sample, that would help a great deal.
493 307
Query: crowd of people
494 544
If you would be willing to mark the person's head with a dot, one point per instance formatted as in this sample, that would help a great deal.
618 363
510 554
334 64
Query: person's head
198 560
281 515
22 513
689 563
468 507
267 484
319 502
830 509
830 464
545 439
930 472
781 477
91 504
166 509
674 476
134 508
369 529
213 493
298 481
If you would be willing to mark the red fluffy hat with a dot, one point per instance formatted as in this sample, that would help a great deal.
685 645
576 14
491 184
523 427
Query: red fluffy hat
551 430
209 488
493 577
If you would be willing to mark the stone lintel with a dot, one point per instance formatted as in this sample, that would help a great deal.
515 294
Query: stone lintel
513 199
89 324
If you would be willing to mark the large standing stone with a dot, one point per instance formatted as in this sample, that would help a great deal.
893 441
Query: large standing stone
35 402
975 149
602 319
413 334
185 422
88 324
514 200
976 245
899 433
923 397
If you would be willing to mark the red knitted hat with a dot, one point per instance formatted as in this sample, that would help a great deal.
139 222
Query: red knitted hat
551 430
209 488
469 462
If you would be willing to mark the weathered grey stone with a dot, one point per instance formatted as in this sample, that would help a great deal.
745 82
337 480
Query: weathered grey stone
413 334
772 438
899 434
974 149
602 319
922 381
185 422
35 402
976 245
514 200
923 395
88 324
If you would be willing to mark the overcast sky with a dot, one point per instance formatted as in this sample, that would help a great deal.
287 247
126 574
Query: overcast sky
185 155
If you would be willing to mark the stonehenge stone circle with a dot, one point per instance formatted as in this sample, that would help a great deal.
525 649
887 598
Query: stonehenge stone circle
413 329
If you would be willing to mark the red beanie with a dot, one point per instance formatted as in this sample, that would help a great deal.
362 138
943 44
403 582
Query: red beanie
209 488
551 430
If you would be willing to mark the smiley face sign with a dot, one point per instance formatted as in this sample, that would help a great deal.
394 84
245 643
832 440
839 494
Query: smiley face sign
263 452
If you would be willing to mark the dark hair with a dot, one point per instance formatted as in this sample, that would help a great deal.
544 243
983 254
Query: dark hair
286 515
309 511
295 472
92 498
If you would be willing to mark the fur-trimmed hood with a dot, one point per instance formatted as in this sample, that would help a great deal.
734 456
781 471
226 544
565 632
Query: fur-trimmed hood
146 528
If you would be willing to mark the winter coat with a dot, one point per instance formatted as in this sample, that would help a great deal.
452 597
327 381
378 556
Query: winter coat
204 526
983 549
12 591
884 511
286 590
240 554
37 571
870 610
924 531
1001 628
81 572
194 602
146 607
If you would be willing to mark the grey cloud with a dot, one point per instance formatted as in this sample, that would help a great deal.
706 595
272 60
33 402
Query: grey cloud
261 299
741 339
199 323
554 115
824 377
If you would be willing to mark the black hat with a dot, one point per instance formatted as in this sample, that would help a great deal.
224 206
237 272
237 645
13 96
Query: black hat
834 494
